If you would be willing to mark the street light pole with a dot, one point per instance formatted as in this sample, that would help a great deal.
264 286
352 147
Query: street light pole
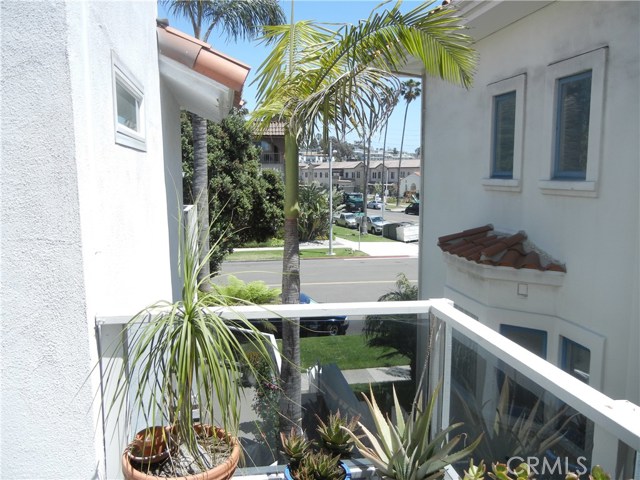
330 198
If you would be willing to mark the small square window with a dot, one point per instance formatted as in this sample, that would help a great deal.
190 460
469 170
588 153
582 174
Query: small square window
128 106
572 126
504 126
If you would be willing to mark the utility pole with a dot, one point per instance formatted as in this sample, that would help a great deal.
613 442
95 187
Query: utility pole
330 197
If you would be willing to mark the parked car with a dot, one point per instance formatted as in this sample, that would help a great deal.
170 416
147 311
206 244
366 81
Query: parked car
330 325
374 204
375 224
347 220
412 209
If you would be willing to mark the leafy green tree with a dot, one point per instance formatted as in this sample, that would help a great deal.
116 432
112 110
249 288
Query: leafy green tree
398 332
313 222
410 90
235 19
246 204
344 150
318 75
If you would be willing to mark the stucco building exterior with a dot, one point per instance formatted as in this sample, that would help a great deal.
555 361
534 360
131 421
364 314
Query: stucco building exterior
545 143
91 182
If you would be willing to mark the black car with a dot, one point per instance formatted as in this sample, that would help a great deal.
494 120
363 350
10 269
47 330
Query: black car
332 325
412 209
335 325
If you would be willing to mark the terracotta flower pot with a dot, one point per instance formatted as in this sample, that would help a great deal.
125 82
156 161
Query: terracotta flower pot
151 445
223 471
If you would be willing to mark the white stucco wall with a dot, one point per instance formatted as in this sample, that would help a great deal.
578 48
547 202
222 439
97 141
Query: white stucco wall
596 237
85 224
47 425
122 190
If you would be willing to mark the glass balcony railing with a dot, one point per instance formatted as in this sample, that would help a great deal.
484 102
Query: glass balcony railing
525 408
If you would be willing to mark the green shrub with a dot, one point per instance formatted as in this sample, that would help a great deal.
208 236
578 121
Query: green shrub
237 292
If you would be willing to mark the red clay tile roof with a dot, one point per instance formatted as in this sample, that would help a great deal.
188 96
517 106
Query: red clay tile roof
274 129
482 245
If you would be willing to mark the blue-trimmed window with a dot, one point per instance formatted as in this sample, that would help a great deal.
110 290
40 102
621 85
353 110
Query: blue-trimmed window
576 359
530 338
573 105
504 127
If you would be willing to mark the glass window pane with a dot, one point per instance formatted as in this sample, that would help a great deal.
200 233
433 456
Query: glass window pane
533 340
504 122
576 361
127 107
572 126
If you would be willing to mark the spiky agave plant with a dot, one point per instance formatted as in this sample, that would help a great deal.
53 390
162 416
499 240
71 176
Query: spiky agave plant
182 353
404 450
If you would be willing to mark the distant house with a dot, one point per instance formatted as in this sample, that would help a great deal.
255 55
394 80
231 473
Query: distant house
532 218
91 182
272 147
410 184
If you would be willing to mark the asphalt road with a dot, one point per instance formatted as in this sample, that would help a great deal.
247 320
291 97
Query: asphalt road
332 279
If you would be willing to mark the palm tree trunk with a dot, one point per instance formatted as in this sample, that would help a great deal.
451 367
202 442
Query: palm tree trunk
404 124
201 190
290 403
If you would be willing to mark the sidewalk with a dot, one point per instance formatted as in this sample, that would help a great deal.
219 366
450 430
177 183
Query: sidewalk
368 375
373 249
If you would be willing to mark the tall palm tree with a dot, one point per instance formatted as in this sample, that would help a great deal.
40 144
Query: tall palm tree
236 19
318 76
409 90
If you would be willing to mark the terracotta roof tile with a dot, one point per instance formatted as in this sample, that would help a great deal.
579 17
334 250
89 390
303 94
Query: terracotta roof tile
482 245
274 129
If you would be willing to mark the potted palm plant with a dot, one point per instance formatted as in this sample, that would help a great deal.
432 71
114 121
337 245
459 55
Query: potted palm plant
183 357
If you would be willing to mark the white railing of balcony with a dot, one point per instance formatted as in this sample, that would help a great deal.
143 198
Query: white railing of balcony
617 421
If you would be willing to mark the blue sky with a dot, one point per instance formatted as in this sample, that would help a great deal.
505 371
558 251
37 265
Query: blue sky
253 54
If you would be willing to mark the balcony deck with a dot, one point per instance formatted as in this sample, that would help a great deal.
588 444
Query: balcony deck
472 360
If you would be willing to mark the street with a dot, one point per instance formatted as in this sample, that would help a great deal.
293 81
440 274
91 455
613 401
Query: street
358 279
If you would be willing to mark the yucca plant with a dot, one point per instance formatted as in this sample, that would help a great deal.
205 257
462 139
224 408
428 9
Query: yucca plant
181 356
404 450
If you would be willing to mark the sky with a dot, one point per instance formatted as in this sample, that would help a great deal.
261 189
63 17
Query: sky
330 11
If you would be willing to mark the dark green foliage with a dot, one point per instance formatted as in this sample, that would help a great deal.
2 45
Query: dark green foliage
397 332
245 203
313 222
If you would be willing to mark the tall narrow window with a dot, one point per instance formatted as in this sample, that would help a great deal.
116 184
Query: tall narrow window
128 106
576 359
505 133
504 127
572 126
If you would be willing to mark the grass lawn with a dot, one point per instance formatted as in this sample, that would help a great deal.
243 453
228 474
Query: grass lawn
253 256
347 351
352 235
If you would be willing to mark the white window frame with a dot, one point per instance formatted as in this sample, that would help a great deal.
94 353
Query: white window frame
122 76
518 84
594 60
